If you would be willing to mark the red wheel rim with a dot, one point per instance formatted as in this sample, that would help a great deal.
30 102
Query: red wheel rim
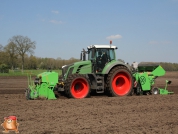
121 83
80 88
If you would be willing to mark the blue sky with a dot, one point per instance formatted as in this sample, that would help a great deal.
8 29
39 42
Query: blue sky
143 30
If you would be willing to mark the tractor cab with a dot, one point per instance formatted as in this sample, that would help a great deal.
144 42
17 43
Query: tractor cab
101 55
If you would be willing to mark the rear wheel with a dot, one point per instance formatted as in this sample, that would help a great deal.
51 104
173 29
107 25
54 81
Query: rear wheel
77 86
120 82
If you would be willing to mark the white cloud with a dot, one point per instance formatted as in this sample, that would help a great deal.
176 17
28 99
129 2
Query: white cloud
112 37
55 12
159 42
56 21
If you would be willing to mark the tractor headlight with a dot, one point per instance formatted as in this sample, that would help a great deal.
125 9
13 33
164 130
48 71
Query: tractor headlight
65 69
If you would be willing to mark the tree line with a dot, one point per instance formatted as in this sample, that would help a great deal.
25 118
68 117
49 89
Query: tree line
169 66
18 54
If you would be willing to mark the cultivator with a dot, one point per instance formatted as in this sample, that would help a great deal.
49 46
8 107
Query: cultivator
42 87
145 76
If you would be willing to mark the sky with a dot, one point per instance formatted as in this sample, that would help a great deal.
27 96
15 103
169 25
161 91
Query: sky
143 30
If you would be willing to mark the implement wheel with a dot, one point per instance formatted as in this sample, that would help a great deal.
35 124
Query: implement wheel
77 86
27 94
155 91
120 82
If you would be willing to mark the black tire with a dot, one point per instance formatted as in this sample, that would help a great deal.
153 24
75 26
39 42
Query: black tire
27 94
60 78
155 91
77 86
120 82
139 90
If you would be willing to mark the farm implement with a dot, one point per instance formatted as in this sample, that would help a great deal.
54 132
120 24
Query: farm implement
145 76
100 73
43 86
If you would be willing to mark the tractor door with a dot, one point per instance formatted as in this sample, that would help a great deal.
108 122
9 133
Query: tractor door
102 58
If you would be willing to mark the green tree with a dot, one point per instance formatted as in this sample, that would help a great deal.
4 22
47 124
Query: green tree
11 50
1 48
3 68
32 62
3 56
24 45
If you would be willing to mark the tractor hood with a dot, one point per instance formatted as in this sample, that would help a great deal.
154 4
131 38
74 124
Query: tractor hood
81 67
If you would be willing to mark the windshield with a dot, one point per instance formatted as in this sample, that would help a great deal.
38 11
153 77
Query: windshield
89 54
102 51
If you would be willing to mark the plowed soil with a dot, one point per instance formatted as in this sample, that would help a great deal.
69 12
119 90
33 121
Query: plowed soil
151 114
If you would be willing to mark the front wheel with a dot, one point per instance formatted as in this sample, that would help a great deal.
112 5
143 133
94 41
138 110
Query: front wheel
120 82
77 86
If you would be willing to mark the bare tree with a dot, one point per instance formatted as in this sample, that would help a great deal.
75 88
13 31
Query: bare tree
24 45
11 49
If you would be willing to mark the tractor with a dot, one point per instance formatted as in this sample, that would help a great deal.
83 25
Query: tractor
98 71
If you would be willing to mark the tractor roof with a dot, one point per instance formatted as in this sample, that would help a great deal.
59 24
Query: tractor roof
101 46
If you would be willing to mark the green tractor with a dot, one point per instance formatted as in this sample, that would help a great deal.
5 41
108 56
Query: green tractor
100 73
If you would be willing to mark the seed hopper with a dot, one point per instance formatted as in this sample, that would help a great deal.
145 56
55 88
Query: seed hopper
145 76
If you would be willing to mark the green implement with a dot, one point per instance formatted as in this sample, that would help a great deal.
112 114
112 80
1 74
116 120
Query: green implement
164 91
43 86
145 76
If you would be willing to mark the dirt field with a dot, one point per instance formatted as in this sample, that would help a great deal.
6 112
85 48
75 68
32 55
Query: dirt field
98 114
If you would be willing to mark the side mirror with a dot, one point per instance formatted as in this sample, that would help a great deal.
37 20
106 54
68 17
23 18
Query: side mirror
81 56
